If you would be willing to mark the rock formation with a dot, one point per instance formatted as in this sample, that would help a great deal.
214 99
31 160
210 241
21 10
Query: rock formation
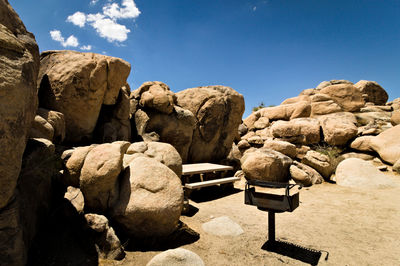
316 128
218 112
77 85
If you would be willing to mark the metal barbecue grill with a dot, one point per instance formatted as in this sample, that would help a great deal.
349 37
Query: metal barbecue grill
271 202
276 203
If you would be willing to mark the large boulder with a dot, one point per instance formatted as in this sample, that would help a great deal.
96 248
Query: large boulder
324 108
358 173
284 147
375 93
77 84
218 112
287 111
338 128
74 164
99 175
320 162
155 95
348 97
387 144
150 200
325 84
113 123
165 153
266 164
304 174
299 130
26 213
175 128
19 66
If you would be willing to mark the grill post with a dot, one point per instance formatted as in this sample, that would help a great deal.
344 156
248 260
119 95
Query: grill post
271 226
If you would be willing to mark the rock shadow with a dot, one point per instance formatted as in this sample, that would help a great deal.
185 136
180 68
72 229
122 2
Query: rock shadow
213 193
182 236
62 240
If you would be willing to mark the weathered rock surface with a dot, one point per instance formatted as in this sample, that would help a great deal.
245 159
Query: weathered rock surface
324 84
300 130
99 175
75 196
30 209
395 118
175 128
113 123
107 242
359 155
304 174
150 199
266 164
338 128
155 95
319 162
218 112
19 66
165 153
362 143
348 97
376 94
57 121
387 144
283 147
176 257
77 84
287 111
41 129
324 108
222 226
358 173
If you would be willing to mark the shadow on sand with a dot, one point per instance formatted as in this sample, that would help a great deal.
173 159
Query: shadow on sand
294 251
213 193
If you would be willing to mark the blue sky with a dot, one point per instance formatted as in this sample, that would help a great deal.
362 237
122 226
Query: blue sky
268 50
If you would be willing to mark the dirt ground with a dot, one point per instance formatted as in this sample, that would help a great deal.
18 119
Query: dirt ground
356 226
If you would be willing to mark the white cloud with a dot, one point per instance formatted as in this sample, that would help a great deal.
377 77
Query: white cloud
78 19
86 47
105 23
93 2
254 8
110 30
114 11
57 36
71 41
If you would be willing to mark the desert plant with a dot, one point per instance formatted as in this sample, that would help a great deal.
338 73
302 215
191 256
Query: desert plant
333 153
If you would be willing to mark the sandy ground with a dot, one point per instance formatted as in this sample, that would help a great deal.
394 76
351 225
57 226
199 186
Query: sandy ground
356 226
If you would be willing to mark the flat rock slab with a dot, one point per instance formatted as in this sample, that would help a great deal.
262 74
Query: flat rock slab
176 257
354 172
222 226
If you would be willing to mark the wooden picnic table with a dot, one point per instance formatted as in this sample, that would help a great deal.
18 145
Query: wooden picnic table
201 168
188 170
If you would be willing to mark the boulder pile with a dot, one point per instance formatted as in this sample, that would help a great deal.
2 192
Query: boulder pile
306 136
75 137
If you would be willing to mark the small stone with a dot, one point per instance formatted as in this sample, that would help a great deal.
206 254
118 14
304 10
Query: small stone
222 226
